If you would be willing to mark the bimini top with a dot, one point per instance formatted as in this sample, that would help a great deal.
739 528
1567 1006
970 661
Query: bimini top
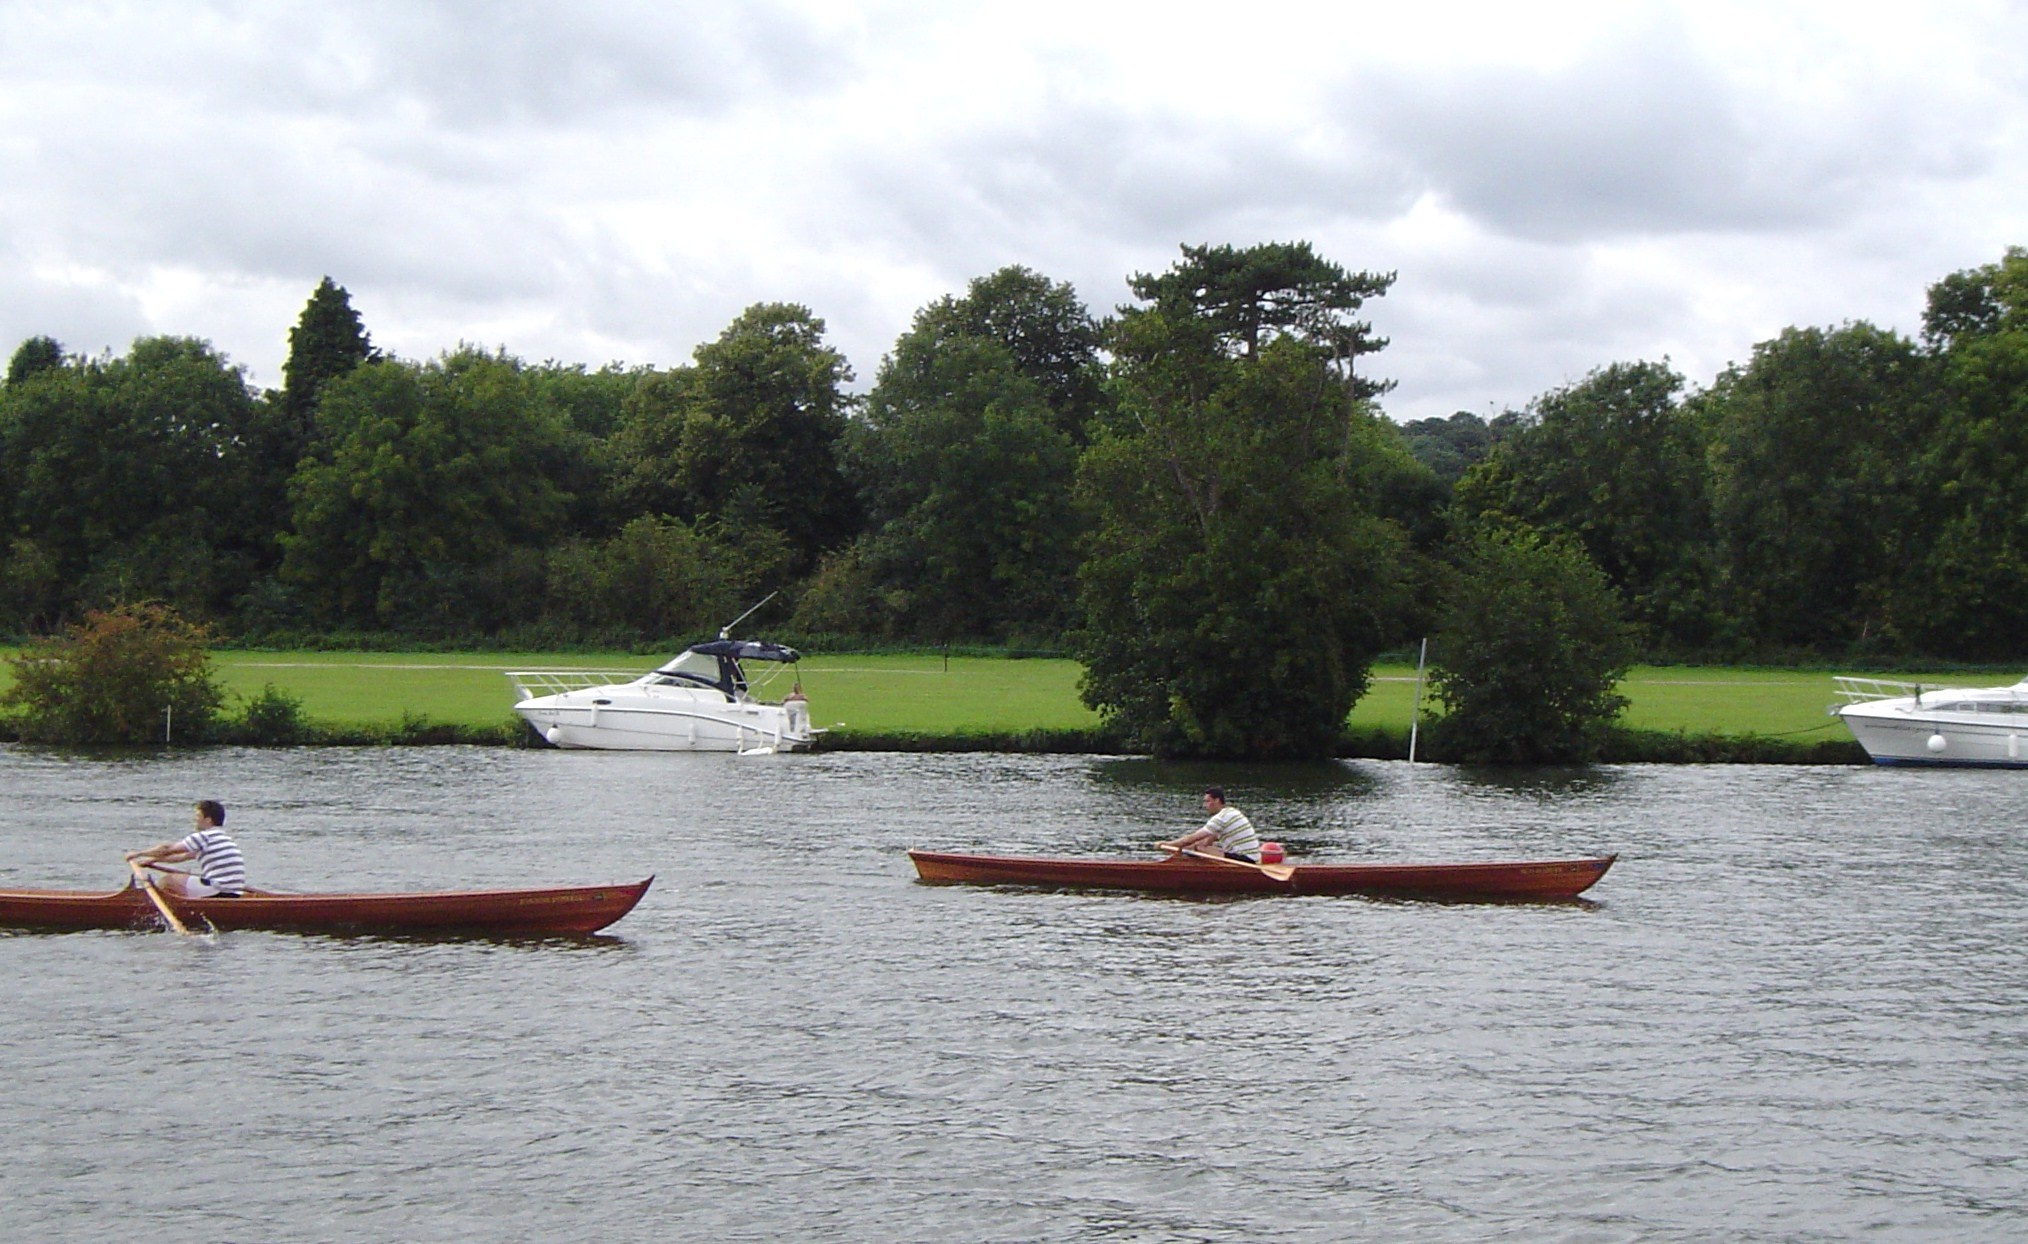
746 650
715 663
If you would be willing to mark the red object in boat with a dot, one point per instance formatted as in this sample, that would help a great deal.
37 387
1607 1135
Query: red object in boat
1513 880
559 910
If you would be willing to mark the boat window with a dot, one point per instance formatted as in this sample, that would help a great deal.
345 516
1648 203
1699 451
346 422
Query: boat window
680 680
693 667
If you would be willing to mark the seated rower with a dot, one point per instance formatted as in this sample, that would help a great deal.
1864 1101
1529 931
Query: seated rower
221 869
1227 833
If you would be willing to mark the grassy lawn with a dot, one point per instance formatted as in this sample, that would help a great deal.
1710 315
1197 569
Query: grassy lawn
928 695
908 694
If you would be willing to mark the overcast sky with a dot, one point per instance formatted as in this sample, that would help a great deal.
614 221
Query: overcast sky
1559 185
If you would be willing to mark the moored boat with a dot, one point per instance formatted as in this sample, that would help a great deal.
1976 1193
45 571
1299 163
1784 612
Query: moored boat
571 910
1512 880
698 702
1905 723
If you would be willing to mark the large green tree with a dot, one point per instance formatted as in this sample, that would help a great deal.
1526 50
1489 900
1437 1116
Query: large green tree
973 532
1240 580
761 414
328 341
1615 462
1968 594
965 460
1811 444
124 480
428 497
1049 335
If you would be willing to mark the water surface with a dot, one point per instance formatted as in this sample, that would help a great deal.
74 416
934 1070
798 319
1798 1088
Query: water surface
1795 1010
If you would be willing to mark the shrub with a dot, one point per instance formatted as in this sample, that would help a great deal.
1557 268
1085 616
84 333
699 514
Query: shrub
1530 651
133 674
272 717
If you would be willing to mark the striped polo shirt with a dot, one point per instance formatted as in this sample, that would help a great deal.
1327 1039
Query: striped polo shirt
1235 832
219 863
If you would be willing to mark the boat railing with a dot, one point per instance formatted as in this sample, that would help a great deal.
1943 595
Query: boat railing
533 683
1867 690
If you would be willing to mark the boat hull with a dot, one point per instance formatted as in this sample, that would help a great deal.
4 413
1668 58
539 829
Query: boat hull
662 728
565 910
1518 880
1897 735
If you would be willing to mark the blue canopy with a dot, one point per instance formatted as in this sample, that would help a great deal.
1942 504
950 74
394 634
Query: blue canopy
746 650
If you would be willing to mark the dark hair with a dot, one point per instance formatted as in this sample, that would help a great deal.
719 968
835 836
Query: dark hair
1216 792
213 810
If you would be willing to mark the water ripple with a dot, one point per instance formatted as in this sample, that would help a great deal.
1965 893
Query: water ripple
1794 1012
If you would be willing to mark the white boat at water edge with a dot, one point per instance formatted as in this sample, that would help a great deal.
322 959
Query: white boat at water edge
1905 723
698 702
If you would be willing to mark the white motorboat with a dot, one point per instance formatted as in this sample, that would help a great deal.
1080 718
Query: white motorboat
698 702
1905 723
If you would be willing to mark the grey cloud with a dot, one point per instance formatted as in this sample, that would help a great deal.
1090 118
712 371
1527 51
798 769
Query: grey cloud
1648 137
1111 180
447 64
526 62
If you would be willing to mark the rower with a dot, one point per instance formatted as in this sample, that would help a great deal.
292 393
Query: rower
221 869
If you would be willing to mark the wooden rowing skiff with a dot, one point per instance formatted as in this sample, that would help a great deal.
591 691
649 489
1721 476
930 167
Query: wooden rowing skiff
558 910
1513 880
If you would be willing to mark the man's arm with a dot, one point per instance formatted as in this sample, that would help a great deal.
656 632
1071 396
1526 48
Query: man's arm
161 853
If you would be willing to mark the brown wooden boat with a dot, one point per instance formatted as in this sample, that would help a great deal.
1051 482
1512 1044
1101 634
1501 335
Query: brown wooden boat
560 910
1511 881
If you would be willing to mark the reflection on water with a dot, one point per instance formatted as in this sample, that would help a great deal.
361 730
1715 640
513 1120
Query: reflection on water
1794 1011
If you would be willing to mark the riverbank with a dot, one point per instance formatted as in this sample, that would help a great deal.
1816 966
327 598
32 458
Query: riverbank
926 702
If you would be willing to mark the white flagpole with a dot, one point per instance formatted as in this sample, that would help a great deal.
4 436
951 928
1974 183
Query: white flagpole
1415 719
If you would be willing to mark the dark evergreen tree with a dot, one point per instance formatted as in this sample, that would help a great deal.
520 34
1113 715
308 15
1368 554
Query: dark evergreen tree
328 341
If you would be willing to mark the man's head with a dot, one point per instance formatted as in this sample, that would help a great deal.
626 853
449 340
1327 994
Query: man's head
211 811
1214 798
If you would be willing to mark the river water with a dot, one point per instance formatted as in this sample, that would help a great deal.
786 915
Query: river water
1797 1009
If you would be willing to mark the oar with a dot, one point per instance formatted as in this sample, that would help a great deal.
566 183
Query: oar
1275 872
161 904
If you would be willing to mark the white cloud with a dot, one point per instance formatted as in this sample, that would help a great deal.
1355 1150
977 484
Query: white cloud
1559 186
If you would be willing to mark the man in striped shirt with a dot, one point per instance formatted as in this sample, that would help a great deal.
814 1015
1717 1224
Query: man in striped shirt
1227 833
221 869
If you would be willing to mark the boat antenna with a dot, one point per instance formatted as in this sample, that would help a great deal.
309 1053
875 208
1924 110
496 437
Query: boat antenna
725 632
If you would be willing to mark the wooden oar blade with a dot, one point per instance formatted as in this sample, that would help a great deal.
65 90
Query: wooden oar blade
1274 872
155 896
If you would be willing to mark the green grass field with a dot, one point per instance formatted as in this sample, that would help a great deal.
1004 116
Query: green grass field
927 695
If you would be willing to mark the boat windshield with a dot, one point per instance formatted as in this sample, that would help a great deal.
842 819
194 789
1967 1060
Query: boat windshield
692 669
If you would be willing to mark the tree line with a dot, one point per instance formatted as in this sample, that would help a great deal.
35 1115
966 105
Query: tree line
1198 495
